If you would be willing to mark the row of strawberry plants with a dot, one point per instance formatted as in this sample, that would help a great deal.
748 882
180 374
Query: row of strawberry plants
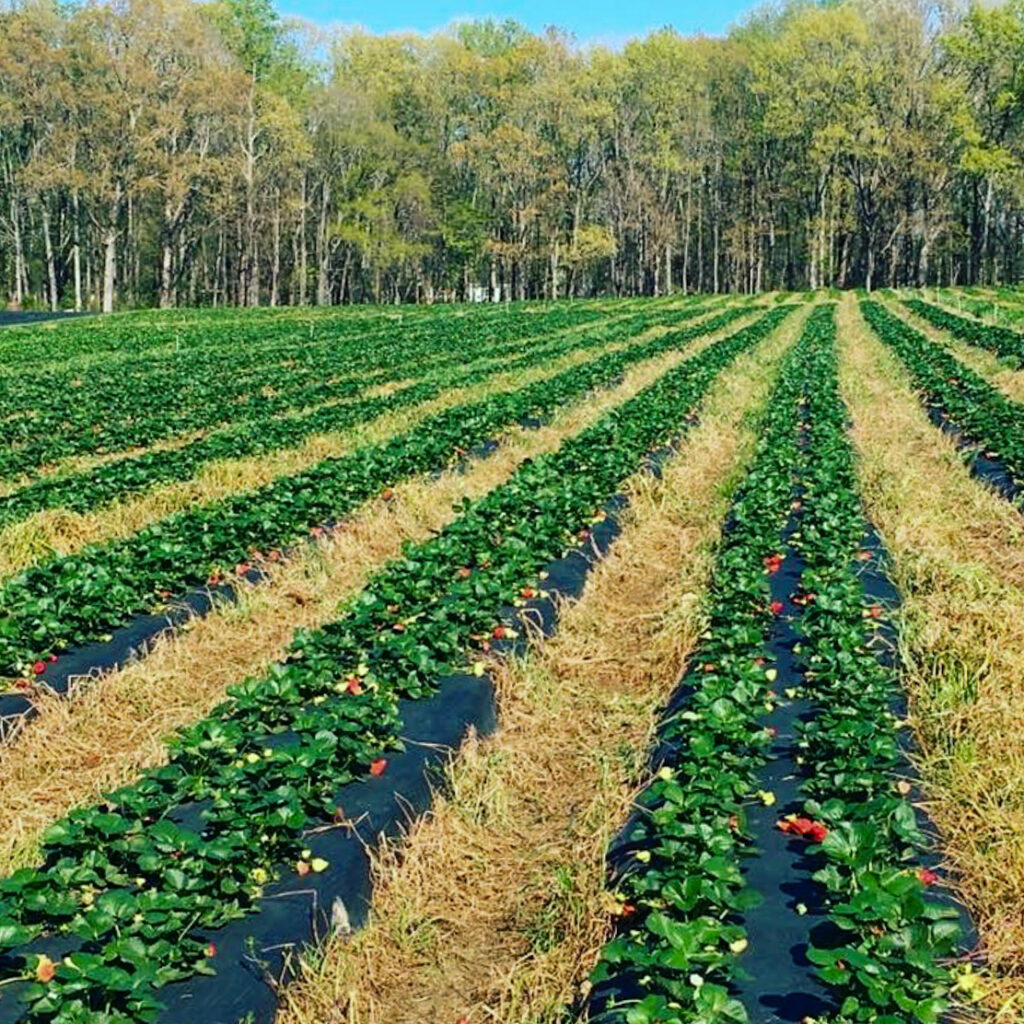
87 490
892 943
1000 340
985 415
49 419
131 895
146 332
999 309
678 955
71 600
678 880
186 398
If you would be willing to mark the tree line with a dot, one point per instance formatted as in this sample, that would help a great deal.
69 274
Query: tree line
173 152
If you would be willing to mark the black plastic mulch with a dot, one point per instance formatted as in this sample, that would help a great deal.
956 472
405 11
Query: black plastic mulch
780 984
134 641
256 955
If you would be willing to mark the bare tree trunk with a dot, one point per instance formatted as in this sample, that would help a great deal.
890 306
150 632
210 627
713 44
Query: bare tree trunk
220 271
131 252
275 263
323 255
248 288
18 298
51 266
76 249
302 244
714 254
109 267
166 259
254 284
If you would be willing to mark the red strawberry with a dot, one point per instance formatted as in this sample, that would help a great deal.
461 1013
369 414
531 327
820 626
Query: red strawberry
242 568
795 826
354 686
211 949
499 632
776 607
52 659
387 494
39 668
817 832
528 592
377 767
927 876
875 611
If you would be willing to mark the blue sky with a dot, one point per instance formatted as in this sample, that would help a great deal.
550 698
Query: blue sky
604 21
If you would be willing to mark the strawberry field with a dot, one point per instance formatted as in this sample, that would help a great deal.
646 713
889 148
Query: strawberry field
278 588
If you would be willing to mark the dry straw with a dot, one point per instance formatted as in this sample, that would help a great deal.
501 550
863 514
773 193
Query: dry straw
958 552
494 906
115 726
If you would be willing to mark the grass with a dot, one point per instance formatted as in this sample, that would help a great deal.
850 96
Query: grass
494 906
114 726
958 552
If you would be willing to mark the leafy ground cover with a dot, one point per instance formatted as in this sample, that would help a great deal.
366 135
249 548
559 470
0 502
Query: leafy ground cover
1001 340
679 868
56 413
956 392
111 480
79 598
794 679
131 891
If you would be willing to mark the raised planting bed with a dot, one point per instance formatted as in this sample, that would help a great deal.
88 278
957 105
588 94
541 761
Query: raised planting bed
78 599
1001 340
775 869
109 481
959 401
52 413
131 893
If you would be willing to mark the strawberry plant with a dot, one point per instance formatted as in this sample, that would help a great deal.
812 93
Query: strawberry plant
677 952
71 600
677 869
1000 340
52 413
133 892
953 390
111 480
892 963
